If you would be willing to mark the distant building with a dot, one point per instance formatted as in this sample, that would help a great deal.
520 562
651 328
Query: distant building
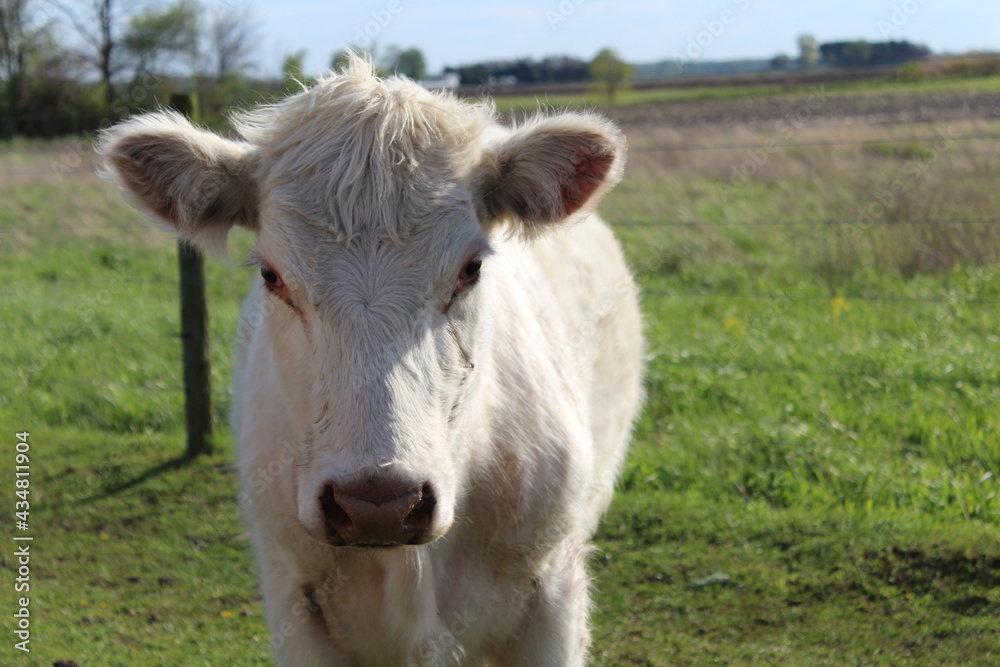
447 81
505 80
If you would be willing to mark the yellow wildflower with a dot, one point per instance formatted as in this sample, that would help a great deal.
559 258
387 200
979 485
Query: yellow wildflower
838 305
733 326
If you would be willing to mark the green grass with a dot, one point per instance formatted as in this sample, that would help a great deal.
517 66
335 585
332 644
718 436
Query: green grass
813 479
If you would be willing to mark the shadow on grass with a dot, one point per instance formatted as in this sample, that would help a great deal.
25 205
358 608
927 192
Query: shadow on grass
182 461
107 488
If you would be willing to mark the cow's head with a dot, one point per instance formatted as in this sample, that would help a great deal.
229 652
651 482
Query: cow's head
376 206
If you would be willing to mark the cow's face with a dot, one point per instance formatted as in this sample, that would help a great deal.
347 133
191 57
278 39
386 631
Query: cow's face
374 205
378 344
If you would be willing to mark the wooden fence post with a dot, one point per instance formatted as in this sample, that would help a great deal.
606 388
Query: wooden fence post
194 333
194 338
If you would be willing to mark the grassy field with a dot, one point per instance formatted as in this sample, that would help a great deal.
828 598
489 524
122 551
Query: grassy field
812 482
597 96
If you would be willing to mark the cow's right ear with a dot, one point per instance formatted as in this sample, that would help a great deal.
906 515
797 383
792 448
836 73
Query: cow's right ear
187 181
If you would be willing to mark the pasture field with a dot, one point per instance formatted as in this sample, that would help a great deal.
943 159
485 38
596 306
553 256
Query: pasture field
813 480
626 97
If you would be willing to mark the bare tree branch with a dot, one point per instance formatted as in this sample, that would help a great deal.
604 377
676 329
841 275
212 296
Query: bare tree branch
232 36
96 24
21 24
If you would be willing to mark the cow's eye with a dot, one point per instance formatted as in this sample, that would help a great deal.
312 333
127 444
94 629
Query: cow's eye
275 285
467 277
271 279
471 269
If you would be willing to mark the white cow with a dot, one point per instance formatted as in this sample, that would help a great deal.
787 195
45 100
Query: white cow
440 366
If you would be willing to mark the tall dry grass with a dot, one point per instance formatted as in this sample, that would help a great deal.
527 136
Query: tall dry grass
914 197
817 170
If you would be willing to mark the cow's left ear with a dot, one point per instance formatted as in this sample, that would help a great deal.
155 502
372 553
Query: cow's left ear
550 170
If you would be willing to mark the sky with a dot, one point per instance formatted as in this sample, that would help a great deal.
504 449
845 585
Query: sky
456 32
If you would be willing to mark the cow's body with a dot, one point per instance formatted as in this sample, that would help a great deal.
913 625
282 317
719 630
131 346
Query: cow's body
553 410
509 400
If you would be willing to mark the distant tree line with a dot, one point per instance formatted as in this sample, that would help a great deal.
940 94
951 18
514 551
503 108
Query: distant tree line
391 60
70 67
860 53
561 69
856 53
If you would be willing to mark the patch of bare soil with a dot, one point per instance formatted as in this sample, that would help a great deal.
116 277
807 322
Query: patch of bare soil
764 112
70 161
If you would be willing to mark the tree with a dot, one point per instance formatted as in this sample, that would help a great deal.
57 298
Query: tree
860 52
97 29
554 68
409 63
608 68
565 68
292 71
856 54
158 33
57 100
781 61
808 50
473 75
231 41
339 58
897 53
17 37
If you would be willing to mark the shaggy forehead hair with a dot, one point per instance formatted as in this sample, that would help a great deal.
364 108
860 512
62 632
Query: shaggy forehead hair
357 155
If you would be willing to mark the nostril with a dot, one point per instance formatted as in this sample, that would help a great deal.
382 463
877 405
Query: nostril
335 518
421 516
388 513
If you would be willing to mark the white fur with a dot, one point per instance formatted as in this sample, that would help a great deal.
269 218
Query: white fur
515 402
